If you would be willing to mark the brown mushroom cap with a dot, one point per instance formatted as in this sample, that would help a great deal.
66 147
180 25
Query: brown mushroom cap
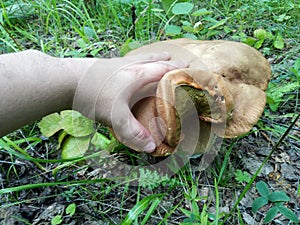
229 71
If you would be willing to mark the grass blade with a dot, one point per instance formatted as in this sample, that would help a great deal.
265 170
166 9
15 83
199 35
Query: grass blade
140 207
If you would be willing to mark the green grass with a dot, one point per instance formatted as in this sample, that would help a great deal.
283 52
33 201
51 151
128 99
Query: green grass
99 29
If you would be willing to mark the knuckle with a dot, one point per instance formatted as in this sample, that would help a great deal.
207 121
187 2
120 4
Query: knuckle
137 71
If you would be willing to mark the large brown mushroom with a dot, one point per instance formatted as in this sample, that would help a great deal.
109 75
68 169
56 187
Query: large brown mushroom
226 82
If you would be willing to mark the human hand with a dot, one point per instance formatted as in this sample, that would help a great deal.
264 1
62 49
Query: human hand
106 90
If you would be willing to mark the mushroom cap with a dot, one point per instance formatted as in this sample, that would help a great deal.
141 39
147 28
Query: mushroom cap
235 72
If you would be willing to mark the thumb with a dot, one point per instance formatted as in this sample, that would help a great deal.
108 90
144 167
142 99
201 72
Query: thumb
133 134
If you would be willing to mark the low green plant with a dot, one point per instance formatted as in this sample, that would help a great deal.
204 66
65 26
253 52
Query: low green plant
277 200
77 133
151 202
242 176
194 215
151 179
70 211
278 89
262 37
186 21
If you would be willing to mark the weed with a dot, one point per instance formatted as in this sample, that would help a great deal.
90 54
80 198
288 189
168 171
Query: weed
277 198
242 176
58 219
151 179
77 133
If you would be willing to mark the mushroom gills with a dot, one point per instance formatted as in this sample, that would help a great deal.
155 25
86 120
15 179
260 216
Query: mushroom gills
204 103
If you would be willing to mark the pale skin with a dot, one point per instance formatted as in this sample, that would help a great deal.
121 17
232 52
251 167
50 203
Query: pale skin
33 85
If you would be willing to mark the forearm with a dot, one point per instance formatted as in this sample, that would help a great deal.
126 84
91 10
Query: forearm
33 84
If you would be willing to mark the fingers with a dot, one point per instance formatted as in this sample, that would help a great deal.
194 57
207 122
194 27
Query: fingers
143 74
130 132
142 58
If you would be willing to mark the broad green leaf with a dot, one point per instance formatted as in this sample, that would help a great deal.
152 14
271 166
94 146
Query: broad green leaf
278 43
278 196
50 124
19 10
262 188
70 210
100 141
249 41
188 29
90 32
218 24
56 220
288 213
201 12
271 214
166 4
76 124
81 43
74 147
182 8
190 36
139 208
61 138
260 34
259 43
258 203
173 30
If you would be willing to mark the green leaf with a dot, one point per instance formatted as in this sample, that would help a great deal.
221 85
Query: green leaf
242 177
56 220
288 213
278 196
150 211
140 207
259 43
74 147
260 34
271 214
262 188
76 124
183 8
279 43
249 41
50 124
258 203
194 192
70 210
218 24
201 12
129 45
195 208
81 43
187 213
173 30
190 36
100 141
61 138
90 32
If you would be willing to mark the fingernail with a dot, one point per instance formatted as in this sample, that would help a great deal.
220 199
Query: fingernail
149 147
